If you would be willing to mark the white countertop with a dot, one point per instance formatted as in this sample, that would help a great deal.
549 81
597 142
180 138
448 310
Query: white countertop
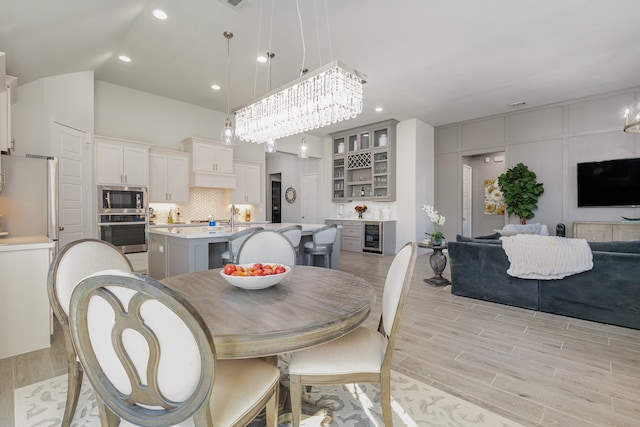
204 224
25 243
205 231
358 219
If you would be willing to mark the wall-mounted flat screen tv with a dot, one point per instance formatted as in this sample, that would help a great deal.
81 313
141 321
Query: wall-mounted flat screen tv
609 183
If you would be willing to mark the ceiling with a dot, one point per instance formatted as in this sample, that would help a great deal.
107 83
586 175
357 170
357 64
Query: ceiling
440 61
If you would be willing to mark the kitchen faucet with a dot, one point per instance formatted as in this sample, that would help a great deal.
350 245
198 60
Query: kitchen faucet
233 216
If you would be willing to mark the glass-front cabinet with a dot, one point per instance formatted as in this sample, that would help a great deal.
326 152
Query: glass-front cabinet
338 179
364 163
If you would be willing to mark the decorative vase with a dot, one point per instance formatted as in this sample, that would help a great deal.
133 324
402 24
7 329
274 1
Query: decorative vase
359 215
436 241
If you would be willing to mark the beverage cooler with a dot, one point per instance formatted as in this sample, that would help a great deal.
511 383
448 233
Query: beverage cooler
372 241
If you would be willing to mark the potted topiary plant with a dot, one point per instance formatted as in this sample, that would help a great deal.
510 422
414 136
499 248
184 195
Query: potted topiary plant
521 191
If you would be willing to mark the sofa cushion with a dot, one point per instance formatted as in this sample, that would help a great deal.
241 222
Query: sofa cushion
493 241
632 246
493 236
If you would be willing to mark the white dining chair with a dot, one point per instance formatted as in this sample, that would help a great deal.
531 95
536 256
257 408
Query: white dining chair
322 244
294 234
72 263
234 243
363 355
151 360
267 247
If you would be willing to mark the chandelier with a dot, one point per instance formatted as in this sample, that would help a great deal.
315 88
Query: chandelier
330 94
631 127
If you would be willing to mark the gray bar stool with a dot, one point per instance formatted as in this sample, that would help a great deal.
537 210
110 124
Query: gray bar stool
294 234
235 241
322 244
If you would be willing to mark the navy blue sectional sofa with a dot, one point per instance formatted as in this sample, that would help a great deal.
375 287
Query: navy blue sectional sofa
609 293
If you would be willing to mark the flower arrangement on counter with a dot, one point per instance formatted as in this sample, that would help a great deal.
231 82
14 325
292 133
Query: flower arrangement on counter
361 209
437 220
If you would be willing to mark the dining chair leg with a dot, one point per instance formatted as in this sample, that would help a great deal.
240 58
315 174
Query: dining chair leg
107 417
295 393
309 259
272 408
74 385
327 260
385 399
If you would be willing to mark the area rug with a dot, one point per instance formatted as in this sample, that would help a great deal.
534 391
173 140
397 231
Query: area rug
414 404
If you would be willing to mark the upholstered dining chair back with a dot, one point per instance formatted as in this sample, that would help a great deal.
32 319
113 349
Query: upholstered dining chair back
151 359
394 295
363 355
267 247
325 235
235 241
294 234
72 263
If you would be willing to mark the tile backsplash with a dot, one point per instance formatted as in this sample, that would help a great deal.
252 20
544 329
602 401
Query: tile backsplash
202 203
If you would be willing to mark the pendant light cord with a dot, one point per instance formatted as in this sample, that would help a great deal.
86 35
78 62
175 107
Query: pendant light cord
228 36
304 50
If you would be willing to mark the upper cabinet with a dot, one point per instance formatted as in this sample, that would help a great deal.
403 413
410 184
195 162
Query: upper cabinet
120 162
364 163
249 183
211 163
8 91
168 176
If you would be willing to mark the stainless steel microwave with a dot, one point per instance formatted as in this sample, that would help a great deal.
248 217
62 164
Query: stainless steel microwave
125 200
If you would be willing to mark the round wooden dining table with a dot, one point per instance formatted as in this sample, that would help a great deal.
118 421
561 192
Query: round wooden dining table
311 305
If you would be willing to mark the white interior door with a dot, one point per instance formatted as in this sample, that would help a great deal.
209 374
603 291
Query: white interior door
72 148
467 181
309 198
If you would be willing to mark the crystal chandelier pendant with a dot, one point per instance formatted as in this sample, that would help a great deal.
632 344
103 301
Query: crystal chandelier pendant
328 95
271 146
303 150
631 126
227 135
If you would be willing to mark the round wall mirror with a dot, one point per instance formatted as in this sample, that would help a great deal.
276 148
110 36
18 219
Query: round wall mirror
290 195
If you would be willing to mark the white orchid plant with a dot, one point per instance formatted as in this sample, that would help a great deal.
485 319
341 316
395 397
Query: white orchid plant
437 221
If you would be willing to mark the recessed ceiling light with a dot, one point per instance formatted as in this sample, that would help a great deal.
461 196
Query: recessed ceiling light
215 87
262 58
124 58
378 109
160 14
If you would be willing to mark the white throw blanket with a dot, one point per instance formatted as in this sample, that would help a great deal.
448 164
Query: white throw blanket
546 257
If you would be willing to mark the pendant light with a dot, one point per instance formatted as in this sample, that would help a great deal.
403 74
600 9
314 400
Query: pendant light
271 146
303 150
227 135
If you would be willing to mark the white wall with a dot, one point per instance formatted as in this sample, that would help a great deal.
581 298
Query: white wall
66 98
550 140
414 179
140 116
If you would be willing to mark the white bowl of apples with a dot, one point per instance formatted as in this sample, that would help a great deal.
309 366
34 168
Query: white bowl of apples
255 275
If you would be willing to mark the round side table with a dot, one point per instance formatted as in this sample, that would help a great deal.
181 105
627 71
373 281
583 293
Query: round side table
438 262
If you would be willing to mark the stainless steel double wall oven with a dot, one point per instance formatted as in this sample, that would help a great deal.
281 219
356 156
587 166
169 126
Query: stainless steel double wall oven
123 217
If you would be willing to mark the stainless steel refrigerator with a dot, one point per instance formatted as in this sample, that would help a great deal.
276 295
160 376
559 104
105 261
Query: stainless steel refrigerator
29 199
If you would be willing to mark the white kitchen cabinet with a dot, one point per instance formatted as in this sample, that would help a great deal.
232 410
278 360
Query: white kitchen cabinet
8 91
120 162
249 185
168 176
25 316
211 163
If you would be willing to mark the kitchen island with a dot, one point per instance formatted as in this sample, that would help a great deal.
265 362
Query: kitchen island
179 250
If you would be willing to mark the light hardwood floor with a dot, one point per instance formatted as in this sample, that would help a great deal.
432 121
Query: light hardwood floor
534 368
